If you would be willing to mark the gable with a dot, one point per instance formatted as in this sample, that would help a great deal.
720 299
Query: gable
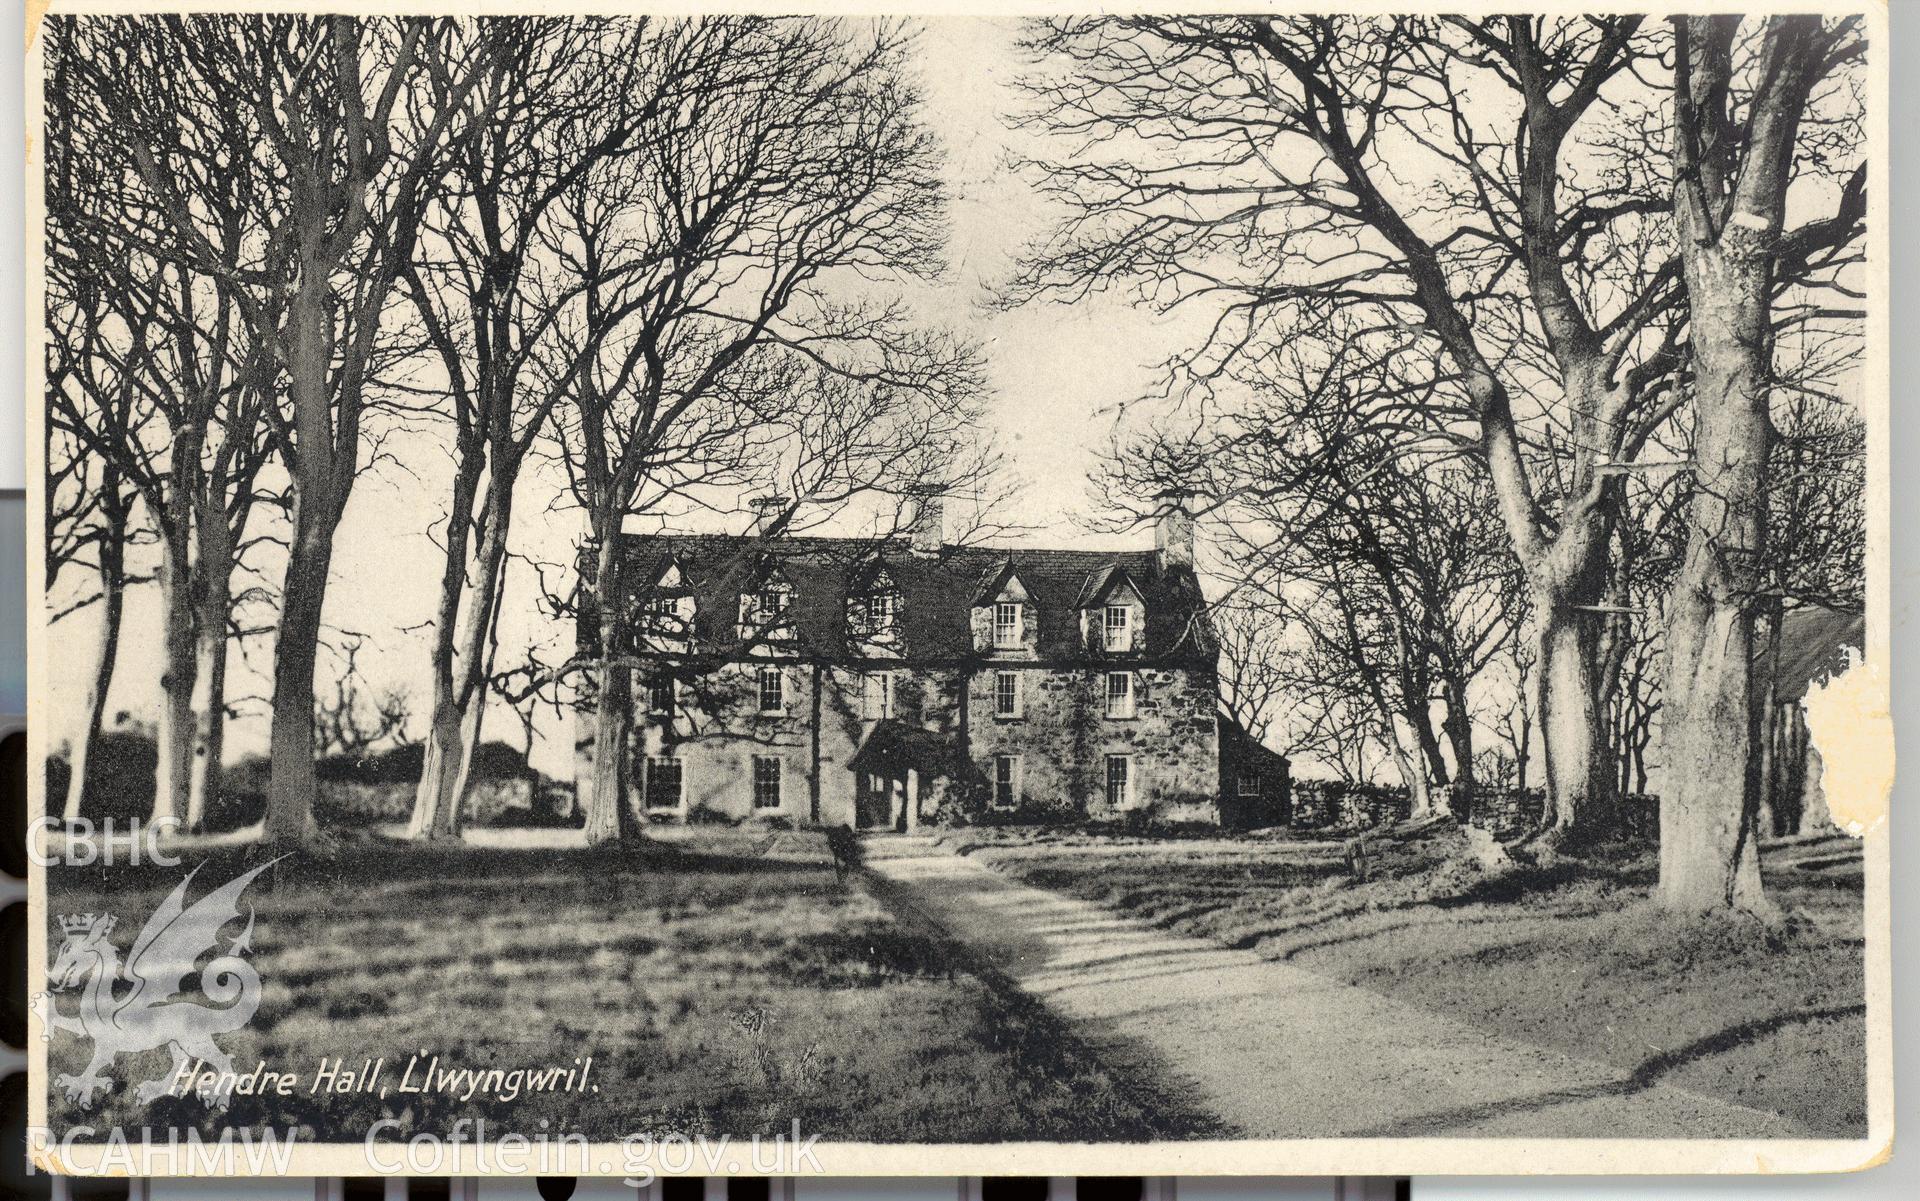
1003 583
671 577
1120 590
870 579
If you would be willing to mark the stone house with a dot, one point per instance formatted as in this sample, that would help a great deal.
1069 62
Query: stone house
886 683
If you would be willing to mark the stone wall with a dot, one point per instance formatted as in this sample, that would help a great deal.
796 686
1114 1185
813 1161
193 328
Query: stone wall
1063 737
1507 813
1338 805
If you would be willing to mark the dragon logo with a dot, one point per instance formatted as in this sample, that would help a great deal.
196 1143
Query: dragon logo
130 1008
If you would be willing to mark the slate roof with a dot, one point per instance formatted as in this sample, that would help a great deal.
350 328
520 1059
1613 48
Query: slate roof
937 592
893 746
1811 642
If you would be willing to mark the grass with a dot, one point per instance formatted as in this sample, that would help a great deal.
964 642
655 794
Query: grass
717 992
1571 956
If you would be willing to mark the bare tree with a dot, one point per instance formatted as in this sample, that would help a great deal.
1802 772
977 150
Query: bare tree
1262 169
339 126
1738 105
1373 544
556 98
1253 673
728 332
89 504
186 429
351 720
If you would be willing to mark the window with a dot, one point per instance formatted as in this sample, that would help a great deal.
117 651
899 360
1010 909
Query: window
664 784
766 782
1006 624
1119 694
880 612
1119 781
1119 625
774 599
773 689
1006 781
1006 694
661 693
1248 783
879 695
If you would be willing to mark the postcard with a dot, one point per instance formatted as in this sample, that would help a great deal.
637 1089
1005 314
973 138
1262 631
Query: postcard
645 590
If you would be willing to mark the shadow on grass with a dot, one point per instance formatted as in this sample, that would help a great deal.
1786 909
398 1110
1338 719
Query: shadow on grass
1648 1074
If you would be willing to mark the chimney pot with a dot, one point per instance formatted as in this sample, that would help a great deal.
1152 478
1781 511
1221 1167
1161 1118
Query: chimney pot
767 510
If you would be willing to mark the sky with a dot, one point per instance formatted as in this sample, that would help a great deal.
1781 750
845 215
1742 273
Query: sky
1058 376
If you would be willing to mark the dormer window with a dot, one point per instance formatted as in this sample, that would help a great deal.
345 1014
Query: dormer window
875 615
664 612
764 610
773 601
1006 625
1119 628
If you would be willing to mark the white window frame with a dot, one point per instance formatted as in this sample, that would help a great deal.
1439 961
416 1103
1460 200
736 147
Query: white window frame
763 612
882 611
1128 784
1015 773
1006 635
680 792
1242 779
673 694
770 671
877 695
1118 636
1125 709
1019 700
779 783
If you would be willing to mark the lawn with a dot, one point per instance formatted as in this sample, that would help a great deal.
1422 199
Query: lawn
718 992
1569 956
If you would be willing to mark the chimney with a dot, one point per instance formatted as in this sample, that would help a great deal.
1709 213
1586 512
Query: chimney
767 510
1173 529
928 528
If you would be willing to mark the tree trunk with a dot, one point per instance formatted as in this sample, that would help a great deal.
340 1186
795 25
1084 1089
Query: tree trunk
113 596
1709 811
606 801
1458 725
443 773
1411 762
320 484
460 706
1573 721
173 767
1729 204
215 568
292 788
613 719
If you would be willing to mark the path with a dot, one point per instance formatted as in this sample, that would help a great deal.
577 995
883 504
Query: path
1273 1049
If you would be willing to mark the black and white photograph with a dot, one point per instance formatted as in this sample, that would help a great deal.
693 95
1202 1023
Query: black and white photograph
1000 591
